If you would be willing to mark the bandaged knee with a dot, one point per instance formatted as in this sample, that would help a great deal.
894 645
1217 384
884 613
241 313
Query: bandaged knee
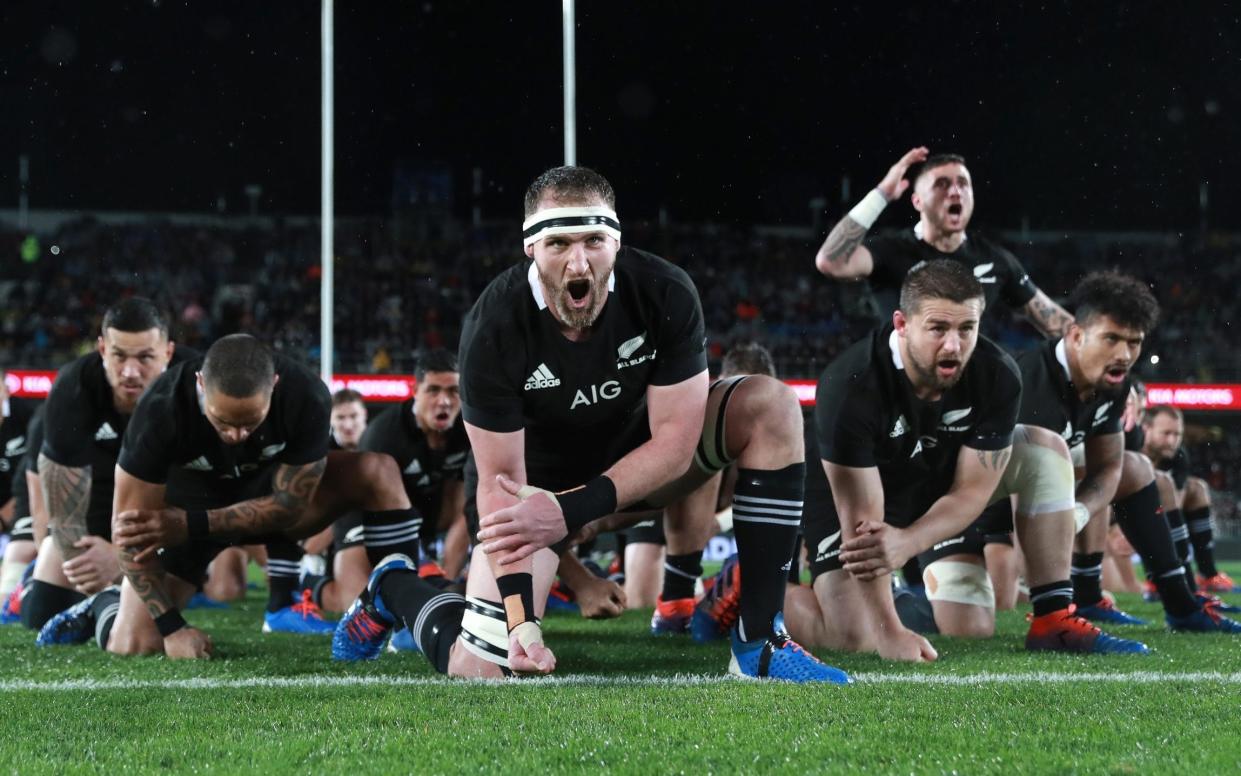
711 454
1041 478
11 577
960 583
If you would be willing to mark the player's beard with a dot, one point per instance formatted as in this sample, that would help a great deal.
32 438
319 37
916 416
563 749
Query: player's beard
930 378
559 296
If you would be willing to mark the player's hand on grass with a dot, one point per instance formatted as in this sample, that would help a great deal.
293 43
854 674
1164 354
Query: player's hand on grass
894 183
906 645
535 658
188 643
96 568
149 530
518 531
600 599
877 549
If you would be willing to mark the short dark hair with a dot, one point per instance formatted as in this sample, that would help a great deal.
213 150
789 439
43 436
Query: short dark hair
239 366
347 396
571 184
938 279
747 358
135 314
1123 298
938 160
436 360
1156 410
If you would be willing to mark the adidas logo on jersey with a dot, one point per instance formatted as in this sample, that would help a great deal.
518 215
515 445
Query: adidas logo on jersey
542 378
105 432
900 428
415 467
199 464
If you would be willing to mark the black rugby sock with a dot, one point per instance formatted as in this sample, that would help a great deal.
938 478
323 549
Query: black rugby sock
681 572
1180 540
1140 517
283 569
391 531
795 565
104 608
432 615
43 601
1202 535
1052 597
1087 574
766 518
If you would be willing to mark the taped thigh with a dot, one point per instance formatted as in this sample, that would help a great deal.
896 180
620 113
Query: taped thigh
960 583
1040 477
711 455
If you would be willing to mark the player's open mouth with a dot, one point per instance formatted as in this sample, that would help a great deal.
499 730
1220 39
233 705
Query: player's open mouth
578 290
947 367
1115 374
955 209
441 417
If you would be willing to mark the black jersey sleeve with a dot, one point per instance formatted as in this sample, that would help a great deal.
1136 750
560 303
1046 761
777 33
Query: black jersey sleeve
846 420
682 334
150 439
1180 468
1018 289
1113 423
70 419
891 259
310 424
995 432
490 396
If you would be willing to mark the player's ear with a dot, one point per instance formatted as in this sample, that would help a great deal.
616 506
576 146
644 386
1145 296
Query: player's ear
899 321
172 347
915 199
530 251
99 344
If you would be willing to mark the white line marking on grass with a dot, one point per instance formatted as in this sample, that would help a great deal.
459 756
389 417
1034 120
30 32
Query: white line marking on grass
680 680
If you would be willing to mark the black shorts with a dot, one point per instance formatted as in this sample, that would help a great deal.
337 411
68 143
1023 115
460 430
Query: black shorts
189 561
22 530
647 532
993 526
347 531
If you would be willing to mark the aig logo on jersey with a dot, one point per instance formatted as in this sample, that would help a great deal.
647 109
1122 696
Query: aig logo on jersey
542 377
608 390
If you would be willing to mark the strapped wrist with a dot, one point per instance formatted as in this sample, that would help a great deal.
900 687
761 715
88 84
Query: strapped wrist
170 622
868 210
592 501
196 524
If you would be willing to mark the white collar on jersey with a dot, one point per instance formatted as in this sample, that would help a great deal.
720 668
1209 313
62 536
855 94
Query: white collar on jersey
895 346
918 232
1063 358
536 287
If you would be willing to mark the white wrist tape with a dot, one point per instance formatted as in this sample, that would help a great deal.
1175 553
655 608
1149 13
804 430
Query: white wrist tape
1081 516
528 633
868 210
529 490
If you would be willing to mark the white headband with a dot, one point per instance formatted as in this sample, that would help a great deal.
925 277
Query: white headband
570 220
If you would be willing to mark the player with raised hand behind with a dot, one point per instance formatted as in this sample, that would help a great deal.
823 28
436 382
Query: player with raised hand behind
584 391
943 195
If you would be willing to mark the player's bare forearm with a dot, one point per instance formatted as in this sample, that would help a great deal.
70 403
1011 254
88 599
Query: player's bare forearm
147 579
293 490
1048 317
977 476
66 496
655 463
833 256
1104 462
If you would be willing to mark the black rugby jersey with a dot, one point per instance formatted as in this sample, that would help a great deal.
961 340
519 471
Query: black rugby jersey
866 414
14 440
997 269
1050 400
424 470
1135 438
29 463
82 427
170 440
582 404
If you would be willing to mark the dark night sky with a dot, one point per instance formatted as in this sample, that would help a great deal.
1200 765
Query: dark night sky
1074 115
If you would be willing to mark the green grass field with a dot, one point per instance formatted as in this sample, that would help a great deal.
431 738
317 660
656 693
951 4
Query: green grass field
624 702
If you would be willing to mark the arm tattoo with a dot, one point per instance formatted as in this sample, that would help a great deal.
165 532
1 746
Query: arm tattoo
842 241
1048 317
148 581
66 496
996 460
293 487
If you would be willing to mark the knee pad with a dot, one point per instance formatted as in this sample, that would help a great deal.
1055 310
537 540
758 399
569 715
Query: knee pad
711 454
961 583
1041 478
